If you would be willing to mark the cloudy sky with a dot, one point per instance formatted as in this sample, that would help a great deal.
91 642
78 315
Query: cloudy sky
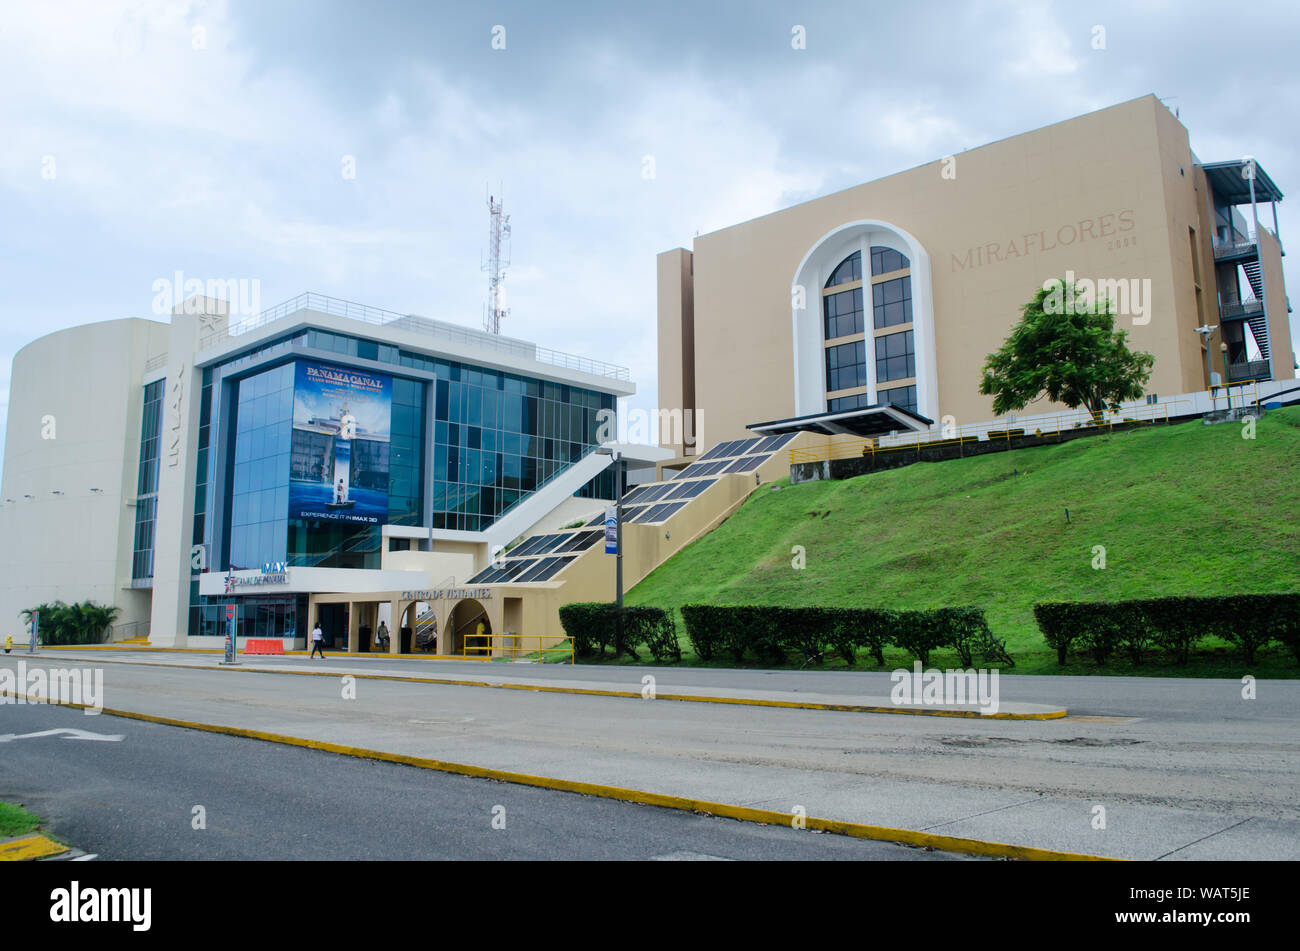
138 139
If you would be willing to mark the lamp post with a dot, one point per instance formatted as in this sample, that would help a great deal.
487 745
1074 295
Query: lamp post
1205 330
619 468
1227 384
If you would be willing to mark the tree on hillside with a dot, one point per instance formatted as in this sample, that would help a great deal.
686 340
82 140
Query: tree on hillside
1066 348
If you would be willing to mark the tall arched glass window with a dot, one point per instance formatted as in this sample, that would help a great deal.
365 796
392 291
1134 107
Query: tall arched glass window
849 270
843 312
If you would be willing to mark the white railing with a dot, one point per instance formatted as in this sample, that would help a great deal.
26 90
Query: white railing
1242 308
449 332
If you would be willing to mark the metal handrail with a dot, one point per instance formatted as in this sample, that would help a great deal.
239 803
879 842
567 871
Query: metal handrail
850 446
1249 370
1242 308
513 645
378 316
1230 248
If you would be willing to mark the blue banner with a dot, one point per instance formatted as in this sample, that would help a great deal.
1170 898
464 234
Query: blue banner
342 422
611 530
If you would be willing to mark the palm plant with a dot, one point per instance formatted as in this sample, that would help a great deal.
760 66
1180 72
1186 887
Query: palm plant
83 623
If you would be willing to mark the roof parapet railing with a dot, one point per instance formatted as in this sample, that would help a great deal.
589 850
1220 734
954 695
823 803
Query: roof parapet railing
377 316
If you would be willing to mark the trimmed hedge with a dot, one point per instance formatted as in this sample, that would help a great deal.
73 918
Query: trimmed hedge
590 625
771 633
593 626
1176 625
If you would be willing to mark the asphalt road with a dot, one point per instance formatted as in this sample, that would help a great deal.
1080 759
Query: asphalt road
1181 769
135 800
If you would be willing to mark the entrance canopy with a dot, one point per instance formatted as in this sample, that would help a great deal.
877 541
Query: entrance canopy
869 421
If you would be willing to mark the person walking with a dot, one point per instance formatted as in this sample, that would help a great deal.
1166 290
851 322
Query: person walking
317 642
382 636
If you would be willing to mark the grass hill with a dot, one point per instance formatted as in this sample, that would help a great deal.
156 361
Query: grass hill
1184 509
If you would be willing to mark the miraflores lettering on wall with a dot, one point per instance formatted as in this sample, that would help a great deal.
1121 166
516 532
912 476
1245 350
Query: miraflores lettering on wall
1110 225
440 594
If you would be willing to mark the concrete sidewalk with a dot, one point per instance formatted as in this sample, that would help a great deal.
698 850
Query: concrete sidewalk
552 679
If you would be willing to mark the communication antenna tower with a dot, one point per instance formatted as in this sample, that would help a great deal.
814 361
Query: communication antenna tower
496 264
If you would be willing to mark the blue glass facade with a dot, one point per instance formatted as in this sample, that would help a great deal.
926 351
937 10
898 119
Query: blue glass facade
498 436
494 438
490 437
259 485
146 491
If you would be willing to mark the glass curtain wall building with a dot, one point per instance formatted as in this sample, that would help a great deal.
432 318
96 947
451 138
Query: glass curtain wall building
297 473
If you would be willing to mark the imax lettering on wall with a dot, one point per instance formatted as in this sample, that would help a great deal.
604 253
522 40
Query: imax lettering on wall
175 404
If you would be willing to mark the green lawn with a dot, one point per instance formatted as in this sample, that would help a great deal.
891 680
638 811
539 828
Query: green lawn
15 820
1186 509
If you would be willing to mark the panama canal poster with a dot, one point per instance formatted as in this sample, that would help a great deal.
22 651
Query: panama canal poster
342 422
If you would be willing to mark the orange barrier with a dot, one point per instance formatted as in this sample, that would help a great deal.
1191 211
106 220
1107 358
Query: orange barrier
263 646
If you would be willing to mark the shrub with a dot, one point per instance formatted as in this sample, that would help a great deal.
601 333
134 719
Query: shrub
1254 621
806 630
919 633
1175 624
1101 633
651 626
874 627
702 630
83 623
845 630
770 632
1057 622
661 637
966 630
1135 624
591 625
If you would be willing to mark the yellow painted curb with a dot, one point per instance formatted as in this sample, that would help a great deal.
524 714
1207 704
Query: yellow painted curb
624 694
857 830
28 848
359 655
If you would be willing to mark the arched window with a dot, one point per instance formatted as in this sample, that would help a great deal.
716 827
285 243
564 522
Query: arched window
885 260
848 271
873 343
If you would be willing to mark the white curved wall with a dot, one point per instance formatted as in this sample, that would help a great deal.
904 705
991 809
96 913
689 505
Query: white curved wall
85 383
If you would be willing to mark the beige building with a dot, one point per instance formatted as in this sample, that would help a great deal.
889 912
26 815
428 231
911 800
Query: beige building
883 300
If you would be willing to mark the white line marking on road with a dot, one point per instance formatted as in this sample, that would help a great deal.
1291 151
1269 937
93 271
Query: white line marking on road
67 732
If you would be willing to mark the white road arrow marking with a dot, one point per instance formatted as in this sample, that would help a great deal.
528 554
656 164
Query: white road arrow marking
69 733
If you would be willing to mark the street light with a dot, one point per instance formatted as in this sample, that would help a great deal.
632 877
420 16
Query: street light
1205 330
1227 386
620 467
